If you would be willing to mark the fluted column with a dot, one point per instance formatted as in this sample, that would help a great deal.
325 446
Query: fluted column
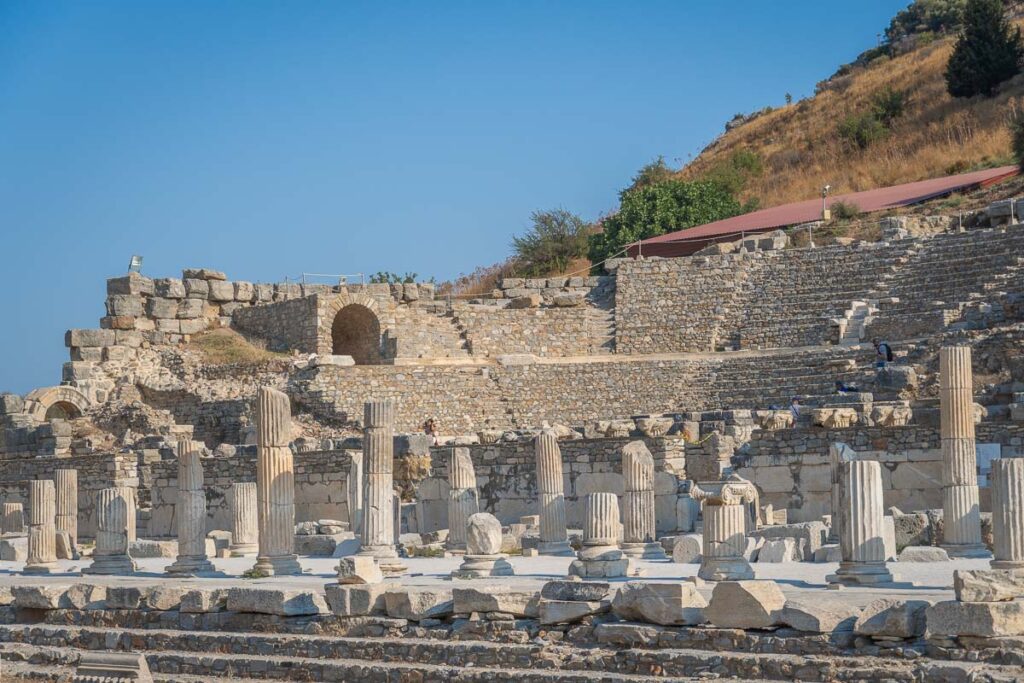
554 538
115 508
724 537
838 453
275 485
600 556
463 498
245 534
190 511
638 504
1007 482
861 536
13 519
42 533
379 527
354 493
961 510
66 485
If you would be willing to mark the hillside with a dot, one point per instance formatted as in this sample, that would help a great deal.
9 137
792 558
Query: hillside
800 148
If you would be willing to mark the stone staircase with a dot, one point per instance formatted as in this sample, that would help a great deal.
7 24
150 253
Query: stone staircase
853 323
434 332
583 654
600 303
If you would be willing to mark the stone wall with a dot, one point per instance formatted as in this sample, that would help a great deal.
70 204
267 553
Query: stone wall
507 481
95 472
284 325
320 480
493 331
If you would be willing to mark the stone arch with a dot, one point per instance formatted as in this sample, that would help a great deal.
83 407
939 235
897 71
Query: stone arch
328 309
56 403
355 331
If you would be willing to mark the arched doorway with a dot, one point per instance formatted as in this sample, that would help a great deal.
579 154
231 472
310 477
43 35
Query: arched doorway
356 332
63 410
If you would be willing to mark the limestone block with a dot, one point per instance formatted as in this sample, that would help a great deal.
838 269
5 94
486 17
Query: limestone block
124 304
38 596
89 338
819 615
667 604
124 597
892 618
830 552
132 283
220 290
204 600
416 603
568 612
745 604
282 602
84 596
106 667
244 291
619 429
654 426
316 546
911 529
920 553
169 288
203 274
978 619
158 307
814 533
575 591
496 598
164 597
356 600
197 289
144 548
992 585
688 549
528 301
190 309
567 300
779 550
359 570
483 534
14 548
64 547
11 404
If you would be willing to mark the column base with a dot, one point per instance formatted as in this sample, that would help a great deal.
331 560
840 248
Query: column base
279 565
46 568
860 574
115 565
244 549
1016 566
391 566
191 565
644 551
725 569
972 550
556 548
483 566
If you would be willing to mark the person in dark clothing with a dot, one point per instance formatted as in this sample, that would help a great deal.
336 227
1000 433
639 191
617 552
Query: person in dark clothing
844 388
883 353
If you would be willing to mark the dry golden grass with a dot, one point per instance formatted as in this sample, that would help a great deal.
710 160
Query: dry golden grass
937 135
223 346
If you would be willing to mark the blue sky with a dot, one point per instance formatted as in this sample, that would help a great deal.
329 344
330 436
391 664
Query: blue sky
270 139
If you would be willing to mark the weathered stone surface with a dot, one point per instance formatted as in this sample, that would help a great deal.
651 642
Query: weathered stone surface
568 612
110 667
528 301
282 602
495 598
814 533
38 596
84 596
356 600
920 553
164 598
911 529
745 604
994 585
779 550
666 604
358 569
583 591
416 603
819 615
144 548
124 597
14 548
892 618
980 619
483 534
688 549
204 600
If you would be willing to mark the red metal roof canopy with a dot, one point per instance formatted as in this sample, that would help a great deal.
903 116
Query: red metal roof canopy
686 242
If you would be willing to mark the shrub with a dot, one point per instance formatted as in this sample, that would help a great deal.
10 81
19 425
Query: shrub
383 277
923 16
651 174
862 129
844 210
734 172
988 51
658 209
554 240
1017 141
888 104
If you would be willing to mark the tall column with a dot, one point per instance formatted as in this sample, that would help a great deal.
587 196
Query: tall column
42 534
838 453
354 493
190 511
66 485
115 508
961 511
638 504
14 519
725 515
379 528
861 536
1008 513
463 498
275 485
554 539
245 533
600 556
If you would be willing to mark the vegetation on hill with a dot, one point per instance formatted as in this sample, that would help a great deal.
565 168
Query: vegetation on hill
987 52
223 346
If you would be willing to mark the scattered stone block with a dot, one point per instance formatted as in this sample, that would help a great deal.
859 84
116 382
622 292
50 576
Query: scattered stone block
979 619
113 666
282 602
569 611
203 274
359 569
416 603
892 618
65 549
819 615
144 548
164 598
779 550
814 533
493 598
688 549
356 600
528 301
992 585
580 591
745 604
666 604
204 600
14 549
84 596
124 597
830 552
921 553
41 596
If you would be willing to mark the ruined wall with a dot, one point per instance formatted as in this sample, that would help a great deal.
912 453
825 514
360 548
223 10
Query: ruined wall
283 325
507 481
95 472
493 331
319 488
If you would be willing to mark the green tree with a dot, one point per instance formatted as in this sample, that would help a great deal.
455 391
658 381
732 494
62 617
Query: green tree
937 16
862 129
988 51
736 170
657 209
1017 133
888 105
553 241
653 173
